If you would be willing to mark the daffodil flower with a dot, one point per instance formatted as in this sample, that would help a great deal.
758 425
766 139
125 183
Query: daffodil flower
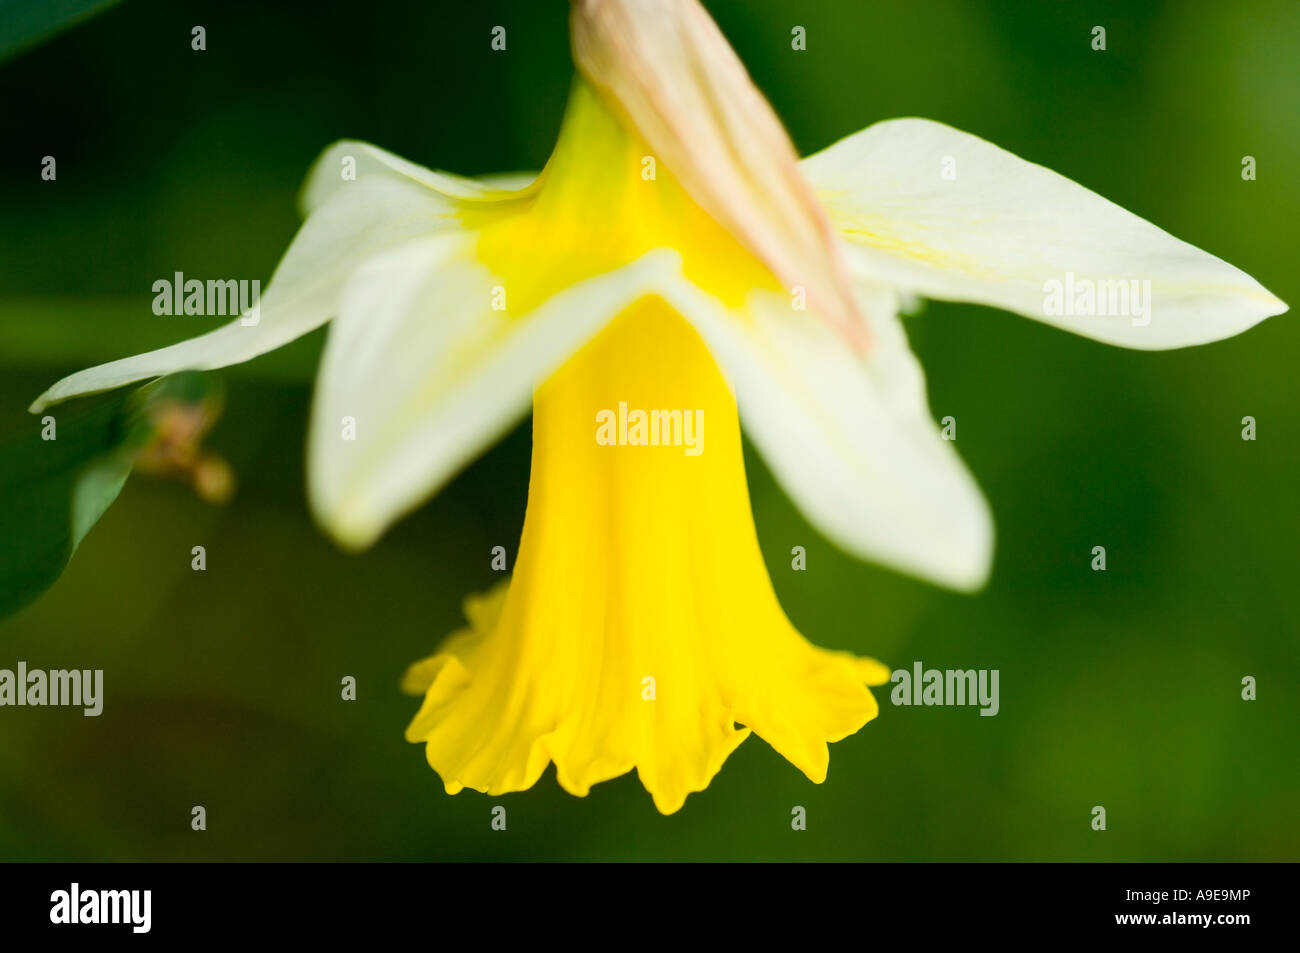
673 255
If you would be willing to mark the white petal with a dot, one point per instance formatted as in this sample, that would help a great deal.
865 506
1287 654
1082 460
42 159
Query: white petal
667 70
850 438
350 159
431 375
1000 228
366 217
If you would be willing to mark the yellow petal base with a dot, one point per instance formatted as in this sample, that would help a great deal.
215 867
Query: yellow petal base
640 627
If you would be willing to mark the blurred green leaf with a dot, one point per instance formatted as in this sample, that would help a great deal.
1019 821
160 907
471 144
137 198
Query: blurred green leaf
62 470
95 492
25 23
46 512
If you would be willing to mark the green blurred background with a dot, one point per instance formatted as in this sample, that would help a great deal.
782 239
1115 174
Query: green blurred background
1119 689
